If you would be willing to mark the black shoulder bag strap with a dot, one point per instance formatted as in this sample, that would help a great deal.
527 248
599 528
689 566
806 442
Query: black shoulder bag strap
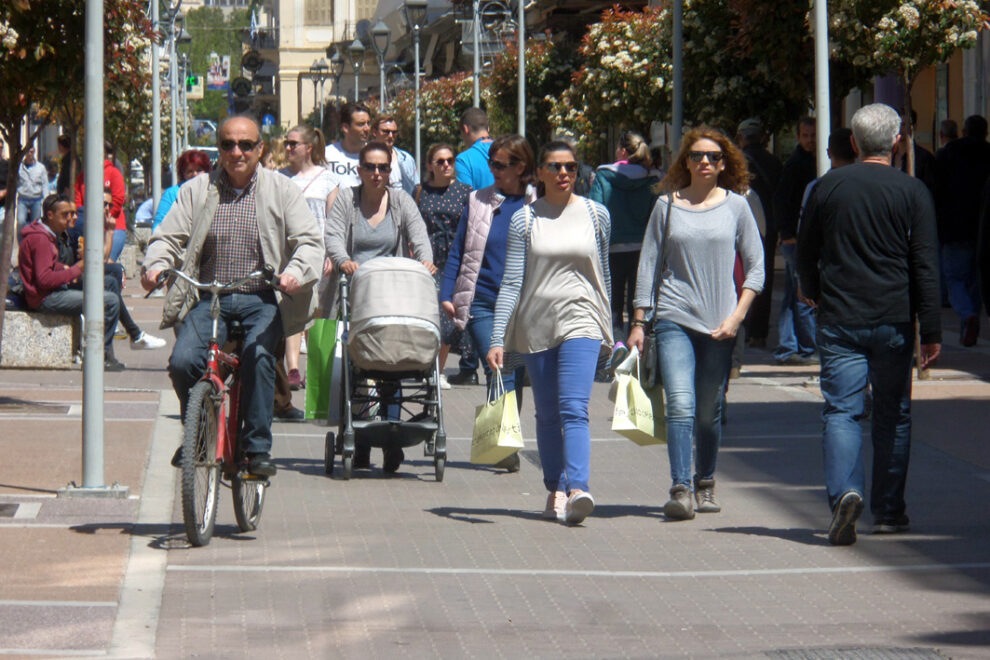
649 375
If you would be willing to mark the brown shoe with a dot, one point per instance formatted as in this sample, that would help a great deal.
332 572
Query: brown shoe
680 506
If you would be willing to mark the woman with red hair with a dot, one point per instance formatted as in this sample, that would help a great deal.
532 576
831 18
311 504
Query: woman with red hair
190 164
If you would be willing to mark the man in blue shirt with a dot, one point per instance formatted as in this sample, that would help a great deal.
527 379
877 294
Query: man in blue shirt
472 163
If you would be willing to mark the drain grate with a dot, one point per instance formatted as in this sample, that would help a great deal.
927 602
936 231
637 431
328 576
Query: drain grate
8 509
857 654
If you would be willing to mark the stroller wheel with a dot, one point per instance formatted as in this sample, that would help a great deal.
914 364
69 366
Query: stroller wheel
347 463
329 446
439 463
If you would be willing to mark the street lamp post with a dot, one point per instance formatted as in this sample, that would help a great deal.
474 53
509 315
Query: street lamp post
184 59
177 35
415 17
336 70
356 53
476 34
156 114
319 72
380 39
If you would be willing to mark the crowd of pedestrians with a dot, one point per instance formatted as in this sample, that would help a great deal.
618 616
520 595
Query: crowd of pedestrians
542 282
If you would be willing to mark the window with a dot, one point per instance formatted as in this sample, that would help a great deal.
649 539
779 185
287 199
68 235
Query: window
318 13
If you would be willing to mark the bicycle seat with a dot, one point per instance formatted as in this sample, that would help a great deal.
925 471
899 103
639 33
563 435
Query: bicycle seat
235 331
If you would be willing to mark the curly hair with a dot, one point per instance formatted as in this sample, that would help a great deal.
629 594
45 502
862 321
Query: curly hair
734 177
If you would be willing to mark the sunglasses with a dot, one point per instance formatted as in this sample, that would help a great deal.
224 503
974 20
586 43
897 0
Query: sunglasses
244 145
713 156
371 168
388 131
498 166
444 161
290 144
556 168
107 205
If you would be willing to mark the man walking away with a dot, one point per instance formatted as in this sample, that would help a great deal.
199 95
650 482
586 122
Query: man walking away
867 257
472 163
963 166
796 344
766 170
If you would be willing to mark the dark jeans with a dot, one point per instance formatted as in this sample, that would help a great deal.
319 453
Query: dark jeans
694 368
960 271
797 320
262 322
113 280
623 266
851 357
758 319
70 303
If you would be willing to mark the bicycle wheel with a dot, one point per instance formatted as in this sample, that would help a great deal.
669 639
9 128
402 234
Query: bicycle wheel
200 468
249 498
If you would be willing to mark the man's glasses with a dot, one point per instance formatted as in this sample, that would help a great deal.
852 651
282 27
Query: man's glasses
713 156
371 168
498 166
244 145
569 167
107 205
444 161
290 144
388 131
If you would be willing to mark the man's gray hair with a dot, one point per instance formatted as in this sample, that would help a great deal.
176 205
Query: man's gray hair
875 127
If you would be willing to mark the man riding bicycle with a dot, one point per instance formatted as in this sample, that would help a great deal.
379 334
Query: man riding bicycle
223 226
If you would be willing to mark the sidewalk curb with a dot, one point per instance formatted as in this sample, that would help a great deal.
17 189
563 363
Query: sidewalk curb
136 628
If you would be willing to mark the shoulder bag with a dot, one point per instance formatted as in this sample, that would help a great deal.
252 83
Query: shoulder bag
649 374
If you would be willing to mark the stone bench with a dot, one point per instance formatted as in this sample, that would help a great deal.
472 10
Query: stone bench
38 341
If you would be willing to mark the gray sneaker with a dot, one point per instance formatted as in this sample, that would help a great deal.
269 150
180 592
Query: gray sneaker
680 506
842 529
704 495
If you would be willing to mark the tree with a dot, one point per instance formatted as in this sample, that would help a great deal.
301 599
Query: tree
442 101
214 32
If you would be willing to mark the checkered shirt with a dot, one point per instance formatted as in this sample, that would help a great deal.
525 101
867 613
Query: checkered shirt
233 247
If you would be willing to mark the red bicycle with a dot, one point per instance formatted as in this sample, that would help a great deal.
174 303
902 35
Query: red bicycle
210 450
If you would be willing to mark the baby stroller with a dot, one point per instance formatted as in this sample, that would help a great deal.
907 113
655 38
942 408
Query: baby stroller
390 389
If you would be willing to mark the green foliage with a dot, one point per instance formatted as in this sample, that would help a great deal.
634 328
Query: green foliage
213 105
442 102
214 32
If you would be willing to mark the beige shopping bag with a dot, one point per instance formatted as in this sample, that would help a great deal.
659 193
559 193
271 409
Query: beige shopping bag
638 414
497 434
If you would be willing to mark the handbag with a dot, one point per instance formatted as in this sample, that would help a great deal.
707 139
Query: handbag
497 433
650 370
323 369
639 413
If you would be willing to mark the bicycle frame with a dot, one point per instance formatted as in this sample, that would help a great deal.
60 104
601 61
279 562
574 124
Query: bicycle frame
229 390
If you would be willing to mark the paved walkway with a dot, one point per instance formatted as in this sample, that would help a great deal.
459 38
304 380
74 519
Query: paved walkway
381 566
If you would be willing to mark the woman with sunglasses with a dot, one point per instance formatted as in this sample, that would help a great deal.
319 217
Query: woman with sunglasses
441 200
553 309
367 221
686 279
304 151
476 263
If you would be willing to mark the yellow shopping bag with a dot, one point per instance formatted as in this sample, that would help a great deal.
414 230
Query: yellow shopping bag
497 434
638 414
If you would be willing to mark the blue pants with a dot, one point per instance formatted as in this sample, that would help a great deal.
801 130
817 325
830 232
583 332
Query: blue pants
479 327
562 378
262 322
797 320
959 269
70 303
119 238
850 357
694 368
28 210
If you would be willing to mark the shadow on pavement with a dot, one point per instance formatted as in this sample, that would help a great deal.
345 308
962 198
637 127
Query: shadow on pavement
162 536
473 516
979 637
795 534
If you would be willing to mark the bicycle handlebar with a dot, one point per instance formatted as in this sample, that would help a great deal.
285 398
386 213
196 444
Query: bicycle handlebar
266 275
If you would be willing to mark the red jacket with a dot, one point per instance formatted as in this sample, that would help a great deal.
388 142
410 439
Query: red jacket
39 265
112 180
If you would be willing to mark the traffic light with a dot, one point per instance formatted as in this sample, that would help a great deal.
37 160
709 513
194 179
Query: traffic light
191 81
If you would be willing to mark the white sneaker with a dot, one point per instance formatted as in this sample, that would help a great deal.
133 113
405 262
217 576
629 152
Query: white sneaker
579 506
444 385
147 342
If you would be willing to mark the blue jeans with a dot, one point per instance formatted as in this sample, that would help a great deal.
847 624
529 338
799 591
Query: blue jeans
562 378
119 238
796 325
70 303
959 269
28 210
851 357
479 327
694 368
262 322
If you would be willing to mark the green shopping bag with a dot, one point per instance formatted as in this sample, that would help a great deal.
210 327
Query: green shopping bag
497 434
322 344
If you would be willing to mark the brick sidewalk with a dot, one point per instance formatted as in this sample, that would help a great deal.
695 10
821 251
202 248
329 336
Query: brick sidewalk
381 566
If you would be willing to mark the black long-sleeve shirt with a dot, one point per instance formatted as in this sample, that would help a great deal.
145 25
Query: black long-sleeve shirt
868 250
799 170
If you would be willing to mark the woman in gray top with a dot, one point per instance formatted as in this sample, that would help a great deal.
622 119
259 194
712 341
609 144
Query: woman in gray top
685 279
367 221
553 308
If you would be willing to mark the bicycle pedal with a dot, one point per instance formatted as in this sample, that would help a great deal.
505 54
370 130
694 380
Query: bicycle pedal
244 475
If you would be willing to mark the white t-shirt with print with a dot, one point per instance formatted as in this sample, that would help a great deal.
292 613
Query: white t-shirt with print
343 164
316 186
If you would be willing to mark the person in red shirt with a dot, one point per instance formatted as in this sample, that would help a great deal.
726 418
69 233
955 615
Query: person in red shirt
113 181
47 280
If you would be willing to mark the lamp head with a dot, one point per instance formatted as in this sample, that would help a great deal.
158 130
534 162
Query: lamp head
380 38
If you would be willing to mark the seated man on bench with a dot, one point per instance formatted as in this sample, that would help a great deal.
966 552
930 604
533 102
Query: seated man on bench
47 280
